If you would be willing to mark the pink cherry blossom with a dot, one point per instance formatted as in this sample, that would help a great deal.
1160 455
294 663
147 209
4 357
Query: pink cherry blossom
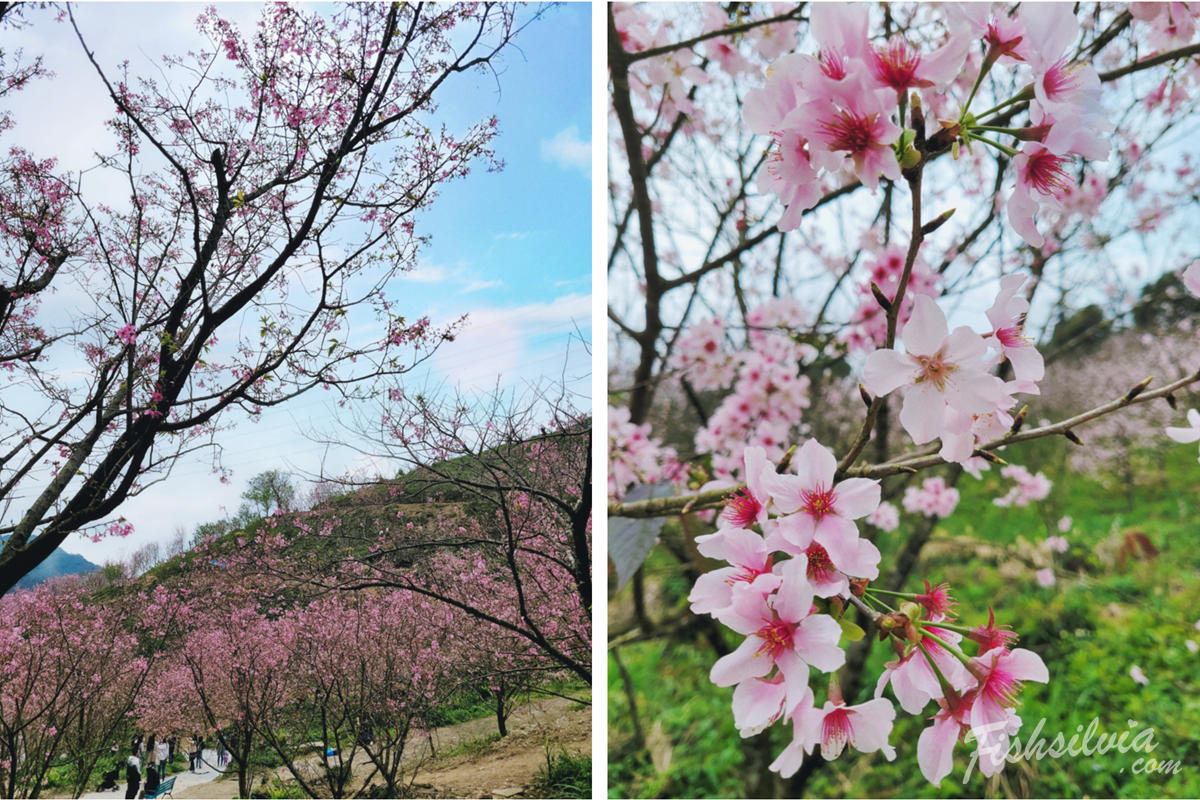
886 517
937 371
780 632
1045 578
933 498
127 334
865 727
750 569
1007 316
912 677
817 508
1029 487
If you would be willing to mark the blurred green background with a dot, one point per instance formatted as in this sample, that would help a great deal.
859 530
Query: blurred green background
1115 605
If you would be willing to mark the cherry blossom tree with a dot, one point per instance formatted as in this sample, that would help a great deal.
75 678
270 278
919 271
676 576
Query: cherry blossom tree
842 240
273 179
519 471
70 671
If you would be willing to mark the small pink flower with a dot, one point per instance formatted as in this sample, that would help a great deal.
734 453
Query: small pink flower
750 569
817 509
127 334
913 678
1007 316
1138 676
1045 578
1064 525
938 370
886 517
865 727
780 632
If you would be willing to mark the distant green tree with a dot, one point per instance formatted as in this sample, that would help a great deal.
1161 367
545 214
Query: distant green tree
1163 304
270 490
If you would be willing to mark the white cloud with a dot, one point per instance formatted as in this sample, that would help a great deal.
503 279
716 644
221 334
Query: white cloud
569 151
475 286
517 235
506 345
427 273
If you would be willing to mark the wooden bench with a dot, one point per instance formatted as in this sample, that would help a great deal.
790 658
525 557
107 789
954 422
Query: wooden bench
163 789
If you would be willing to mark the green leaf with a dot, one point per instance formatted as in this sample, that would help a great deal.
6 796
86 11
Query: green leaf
851 631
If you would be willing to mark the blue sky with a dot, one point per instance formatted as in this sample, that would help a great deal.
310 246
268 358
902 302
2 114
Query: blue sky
510 249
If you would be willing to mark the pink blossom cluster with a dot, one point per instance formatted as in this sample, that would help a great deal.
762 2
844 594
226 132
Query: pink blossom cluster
838 112
702 357
868 324
834 112
634 456
1028 487
768 395
791 543
793 558
933 498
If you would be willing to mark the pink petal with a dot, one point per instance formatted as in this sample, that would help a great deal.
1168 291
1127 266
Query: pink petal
789 761
935 749
1191 279
1021 208
1026 665
872 724
1184 434
923 413
756 703
857 497
816 641
926 330
886 371
1027 363
793 533
712 591
840 539
864 563
735 545
794 599
742 664
815 465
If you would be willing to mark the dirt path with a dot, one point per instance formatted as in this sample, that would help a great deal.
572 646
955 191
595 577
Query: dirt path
183 781
501 769
506 767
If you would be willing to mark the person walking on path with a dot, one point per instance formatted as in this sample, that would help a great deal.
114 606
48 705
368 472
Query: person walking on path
133 777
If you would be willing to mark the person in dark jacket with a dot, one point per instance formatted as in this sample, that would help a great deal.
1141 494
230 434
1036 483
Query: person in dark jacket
133 776
151 779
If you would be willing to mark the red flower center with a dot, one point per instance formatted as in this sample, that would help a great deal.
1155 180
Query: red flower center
1044 172
1010 337
835 731
849 131
820 568
896 65
819 502
776 636
742 509
749 573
